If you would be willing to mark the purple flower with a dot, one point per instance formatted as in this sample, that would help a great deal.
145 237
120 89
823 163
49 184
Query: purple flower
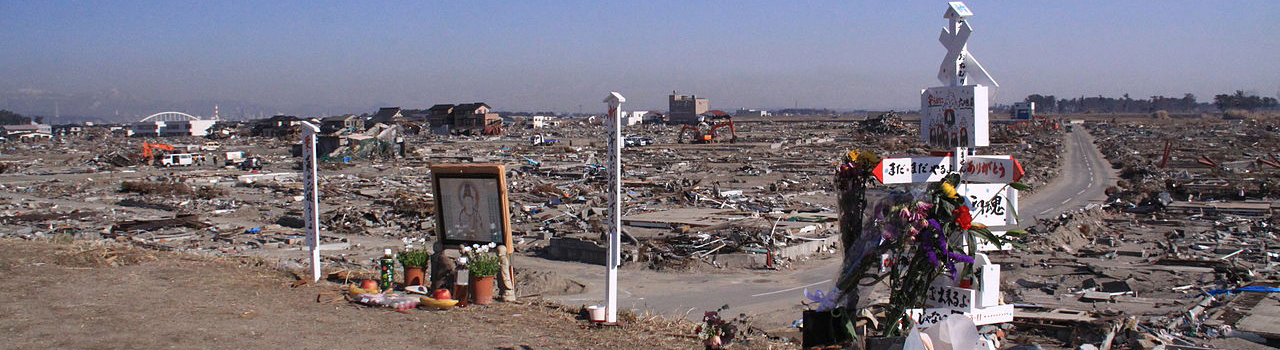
960 257
936 226
923 206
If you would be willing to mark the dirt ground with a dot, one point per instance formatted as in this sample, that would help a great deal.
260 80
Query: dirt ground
81 296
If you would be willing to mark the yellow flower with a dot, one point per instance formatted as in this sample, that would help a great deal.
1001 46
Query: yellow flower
949 190
852 156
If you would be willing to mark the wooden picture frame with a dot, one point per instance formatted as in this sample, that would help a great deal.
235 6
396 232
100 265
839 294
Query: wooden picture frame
471 204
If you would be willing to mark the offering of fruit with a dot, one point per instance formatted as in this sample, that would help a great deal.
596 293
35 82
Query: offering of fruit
438 303
441 293
369 285
353 290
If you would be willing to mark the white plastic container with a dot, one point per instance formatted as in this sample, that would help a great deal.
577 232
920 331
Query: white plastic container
596 313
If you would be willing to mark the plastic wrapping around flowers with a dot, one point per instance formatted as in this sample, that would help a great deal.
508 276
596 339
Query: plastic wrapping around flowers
824 301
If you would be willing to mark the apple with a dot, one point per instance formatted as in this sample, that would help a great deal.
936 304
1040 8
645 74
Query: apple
369 285
441 293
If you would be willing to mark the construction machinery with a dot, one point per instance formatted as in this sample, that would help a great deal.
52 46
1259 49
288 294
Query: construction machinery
704 133
150 151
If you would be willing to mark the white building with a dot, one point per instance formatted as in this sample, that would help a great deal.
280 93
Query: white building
641 117
172 128
33 128
539 121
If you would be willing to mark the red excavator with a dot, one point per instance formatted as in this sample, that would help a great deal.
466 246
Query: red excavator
707 134
148 151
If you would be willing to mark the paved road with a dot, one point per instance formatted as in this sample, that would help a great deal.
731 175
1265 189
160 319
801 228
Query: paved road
773 297
1085 175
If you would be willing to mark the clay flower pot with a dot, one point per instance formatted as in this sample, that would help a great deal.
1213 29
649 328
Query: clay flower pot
481 290
712 342
413 276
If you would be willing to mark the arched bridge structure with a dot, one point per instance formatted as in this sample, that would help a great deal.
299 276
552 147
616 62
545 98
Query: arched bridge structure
169 117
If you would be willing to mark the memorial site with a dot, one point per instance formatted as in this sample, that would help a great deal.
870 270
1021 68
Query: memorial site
962 205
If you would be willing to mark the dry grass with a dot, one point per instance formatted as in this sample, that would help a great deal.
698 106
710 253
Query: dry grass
100 254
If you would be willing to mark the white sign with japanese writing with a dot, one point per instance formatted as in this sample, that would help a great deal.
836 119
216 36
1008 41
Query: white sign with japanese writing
990 204
955 298
989 168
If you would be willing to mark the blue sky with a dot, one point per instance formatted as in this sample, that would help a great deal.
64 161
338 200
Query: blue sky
557 55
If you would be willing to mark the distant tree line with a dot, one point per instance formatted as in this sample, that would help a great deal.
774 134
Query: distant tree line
1239 100
1126 104
11 118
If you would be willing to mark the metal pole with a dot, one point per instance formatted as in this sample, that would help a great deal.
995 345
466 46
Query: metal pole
615 199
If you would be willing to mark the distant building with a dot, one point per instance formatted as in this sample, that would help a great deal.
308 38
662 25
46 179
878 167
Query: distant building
68 130
279 125
750 113
388 116
685 109
461 116
653 117
473 116
27 131
349 122
641 117
440 115
171 128
633 118
542 121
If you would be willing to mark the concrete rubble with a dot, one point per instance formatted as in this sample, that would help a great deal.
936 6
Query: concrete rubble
1179 255
763 202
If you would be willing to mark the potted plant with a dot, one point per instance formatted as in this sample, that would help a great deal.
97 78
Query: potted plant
414 262
482 266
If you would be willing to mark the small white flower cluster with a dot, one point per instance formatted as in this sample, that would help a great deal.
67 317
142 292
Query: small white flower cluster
474 249
478 248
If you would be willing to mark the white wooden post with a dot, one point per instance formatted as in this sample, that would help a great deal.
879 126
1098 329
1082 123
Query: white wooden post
614 100
311 196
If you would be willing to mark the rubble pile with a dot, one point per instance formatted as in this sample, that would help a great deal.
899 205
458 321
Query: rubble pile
1167 259
761 201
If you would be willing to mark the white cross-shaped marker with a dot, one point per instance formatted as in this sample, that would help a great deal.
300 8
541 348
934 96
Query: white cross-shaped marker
957 53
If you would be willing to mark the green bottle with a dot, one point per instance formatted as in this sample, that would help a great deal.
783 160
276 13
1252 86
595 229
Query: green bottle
385 267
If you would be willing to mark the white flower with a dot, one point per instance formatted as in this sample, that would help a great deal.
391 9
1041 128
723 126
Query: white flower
475 246
466 249
493 245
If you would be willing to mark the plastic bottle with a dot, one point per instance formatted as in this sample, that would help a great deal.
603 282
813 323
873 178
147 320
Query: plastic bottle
461 287
385 267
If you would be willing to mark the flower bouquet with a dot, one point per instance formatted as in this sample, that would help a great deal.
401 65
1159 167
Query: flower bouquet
921 236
